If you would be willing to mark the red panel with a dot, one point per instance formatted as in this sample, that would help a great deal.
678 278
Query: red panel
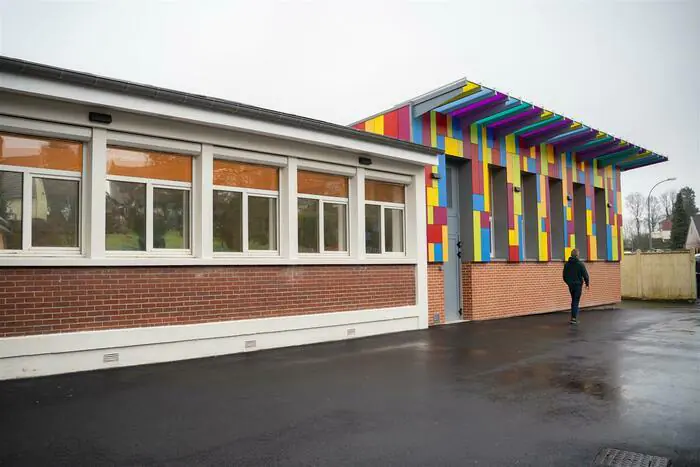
477 177
441 123
404 123
513 253
426 129
434 234
359 126
440 215
496 158
391 124
474 151
485 221
428 175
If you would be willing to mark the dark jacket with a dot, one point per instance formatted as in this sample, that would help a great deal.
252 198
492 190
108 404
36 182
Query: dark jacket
575 272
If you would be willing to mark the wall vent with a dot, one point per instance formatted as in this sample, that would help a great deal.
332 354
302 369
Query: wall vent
110 358
351 332
250 344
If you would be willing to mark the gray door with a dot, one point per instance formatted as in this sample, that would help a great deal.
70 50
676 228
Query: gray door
452 267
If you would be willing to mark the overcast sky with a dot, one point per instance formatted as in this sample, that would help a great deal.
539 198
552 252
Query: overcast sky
629 68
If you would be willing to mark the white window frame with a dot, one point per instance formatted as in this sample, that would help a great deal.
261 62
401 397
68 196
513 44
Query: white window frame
245 192
382 236
322 199
152 183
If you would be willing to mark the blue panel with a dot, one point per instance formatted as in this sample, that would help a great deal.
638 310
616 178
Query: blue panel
441 142
485 244
537 184
456 128
610 243
442 183
480 145
438 252
543 224
531 165
417 131
502 145
569 159
478 203
484 93
588 202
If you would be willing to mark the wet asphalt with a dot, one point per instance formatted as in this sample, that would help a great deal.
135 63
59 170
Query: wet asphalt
522 391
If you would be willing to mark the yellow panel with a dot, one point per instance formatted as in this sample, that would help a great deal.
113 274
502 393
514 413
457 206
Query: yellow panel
516 166
433 130
431 215
431 252
546 114
589 222
470 88
513 236
517 204
572 240
544 169
593 250
567 251
477 234
550 154
449 126
510 144
533 152
486 150
445 243
575 125
487 190
369 126
615 252
568 213
379 125
453 147
473 135
543 246
431 195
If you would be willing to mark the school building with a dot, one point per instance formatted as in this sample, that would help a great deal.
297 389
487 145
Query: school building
142 225
517 187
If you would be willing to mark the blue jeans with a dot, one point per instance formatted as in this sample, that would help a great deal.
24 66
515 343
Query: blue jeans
575 291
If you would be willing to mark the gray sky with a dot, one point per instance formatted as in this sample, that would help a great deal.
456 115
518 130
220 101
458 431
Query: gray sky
629 68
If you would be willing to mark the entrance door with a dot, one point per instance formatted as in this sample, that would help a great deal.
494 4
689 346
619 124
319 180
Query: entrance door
452 267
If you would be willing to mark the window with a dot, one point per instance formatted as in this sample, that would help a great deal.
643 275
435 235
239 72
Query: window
384 217
498 212
39 193
528 199
147 201
322 212
601 225
556 218
250 192
580 217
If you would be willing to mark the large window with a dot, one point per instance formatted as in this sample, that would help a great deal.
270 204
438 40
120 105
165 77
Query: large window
245 207
322 212
384 217
39 193
147 201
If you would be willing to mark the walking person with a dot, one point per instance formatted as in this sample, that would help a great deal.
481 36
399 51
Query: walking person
575 275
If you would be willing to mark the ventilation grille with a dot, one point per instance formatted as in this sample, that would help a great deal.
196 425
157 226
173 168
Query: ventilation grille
616 458
110 358
251 344
351 332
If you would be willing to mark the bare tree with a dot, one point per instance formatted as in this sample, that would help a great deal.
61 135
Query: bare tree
636 208
655 212
666 199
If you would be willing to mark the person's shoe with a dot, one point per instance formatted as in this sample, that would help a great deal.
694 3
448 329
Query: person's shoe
573 321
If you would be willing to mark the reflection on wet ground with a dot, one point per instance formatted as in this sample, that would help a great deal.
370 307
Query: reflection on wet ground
524 391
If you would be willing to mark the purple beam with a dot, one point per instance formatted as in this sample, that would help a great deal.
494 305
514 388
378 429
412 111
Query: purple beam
517 124
498 98
539 135
574 141
599 150
515 118
486 112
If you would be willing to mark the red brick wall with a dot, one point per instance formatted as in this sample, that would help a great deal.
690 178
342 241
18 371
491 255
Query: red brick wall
436 293
51 300
499 290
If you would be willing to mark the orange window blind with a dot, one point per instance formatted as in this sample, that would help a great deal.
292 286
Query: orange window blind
28 151
382 191
149 164
241 175
314 183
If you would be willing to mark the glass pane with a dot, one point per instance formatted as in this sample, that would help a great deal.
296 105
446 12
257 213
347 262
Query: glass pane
242 175
125 216
393 230
383 191
373 224
335 227
10 211
171 218
262 223
308 225
315 183
149 164
55 212
228 221
29 151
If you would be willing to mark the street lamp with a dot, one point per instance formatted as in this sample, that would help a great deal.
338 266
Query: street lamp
649 206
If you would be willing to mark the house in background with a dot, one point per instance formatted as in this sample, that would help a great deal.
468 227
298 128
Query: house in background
663 232
693 240
517 188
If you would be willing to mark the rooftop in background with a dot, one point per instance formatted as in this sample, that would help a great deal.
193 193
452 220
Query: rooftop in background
36 70
503 115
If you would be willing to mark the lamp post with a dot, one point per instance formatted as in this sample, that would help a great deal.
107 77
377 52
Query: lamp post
649 206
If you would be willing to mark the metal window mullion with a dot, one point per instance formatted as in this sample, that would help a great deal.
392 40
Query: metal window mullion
244 222
149 217
382 233
321 228
27 207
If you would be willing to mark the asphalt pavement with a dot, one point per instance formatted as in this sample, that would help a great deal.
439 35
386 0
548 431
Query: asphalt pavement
521 391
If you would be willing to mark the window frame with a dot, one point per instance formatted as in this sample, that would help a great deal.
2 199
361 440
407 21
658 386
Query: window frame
245 192
384 205
322 199
28 175
150 184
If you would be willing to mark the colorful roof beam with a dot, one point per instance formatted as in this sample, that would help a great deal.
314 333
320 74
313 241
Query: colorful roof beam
497 98
615 157
599 149
542 134
547 118
464 101
513 111
593 143
654 159
430 101
515 122
569 142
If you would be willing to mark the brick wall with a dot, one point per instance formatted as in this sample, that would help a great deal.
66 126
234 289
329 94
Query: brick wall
499 290
51 300
436 293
